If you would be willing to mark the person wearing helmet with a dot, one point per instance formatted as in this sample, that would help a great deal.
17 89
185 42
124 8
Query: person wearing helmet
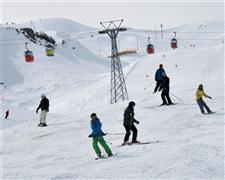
97 136
44 106
128 123
159 78
199 98
165 90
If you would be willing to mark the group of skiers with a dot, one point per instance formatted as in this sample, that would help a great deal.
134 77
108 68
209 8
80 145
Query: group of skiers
162 84
96 126
97 133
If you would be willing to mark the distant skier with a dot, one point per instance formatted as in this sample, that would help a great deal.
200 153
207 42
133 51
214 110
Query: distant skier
97 136
199 98
6 114
165 90
128 123
159 78
44 106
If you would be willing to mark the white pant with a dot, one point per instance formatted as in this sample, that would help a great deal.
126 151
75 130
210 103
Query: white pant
43 116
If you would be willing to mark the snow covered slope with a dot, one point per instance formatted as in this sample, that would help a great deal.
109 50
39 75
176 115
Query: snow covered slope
72 65
191 145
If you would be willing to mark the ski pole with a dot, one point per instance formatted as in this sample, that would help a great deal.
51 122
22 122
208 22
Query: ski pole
176 97
148 86
115 134
173 99
108 142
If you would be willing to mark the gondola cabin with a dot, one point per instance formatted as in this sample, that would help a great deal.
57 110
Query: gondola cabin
49 51
150 49
29 57
173 43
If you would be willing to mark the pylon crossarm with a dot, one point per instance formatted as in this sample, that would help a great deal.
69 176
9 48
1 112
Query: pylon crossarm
112 21
103 26
117 27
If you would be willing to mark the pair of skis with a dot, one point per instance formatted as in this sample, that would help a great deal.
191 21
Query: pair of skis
105 157
161 105
213 112
138 143
127 144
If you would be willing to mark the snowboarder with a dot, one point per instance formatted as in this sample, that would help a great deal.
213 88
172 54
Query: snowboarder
97 136
128 123
6 114
44 106
159 78
199 98
165 90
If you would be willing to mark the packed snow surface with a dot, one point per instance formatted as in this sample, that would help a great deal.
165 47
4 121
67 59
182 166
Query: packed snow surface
77 83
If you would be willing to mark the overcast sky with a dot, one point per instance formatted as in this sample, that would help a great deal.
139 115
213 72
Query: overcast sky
142 15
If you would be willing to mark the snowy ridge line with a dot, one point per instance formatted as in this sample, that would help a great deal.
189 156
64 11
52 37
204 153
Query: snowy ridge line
180 38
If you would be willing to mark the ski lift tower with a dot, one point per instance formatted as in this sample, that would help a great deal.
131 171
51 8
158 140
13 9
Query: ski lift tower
118 86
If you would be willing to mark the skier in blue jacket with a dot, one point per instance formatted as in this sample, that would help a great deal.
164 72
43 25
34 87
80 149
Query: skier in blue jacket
97 135
159 78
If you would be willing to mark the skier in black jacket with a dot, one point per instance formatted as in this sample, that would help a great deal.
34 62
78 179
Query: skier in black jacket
128 123
44 106
166 90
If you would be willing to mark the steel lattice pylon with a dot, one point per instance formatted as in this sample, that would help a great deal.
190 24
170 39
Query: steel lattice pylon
118 89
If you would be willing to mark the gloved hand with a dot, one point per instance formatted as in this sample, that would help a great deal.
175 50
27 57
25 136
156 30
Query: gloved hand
90 136
104 134
37 111
209 97
137 122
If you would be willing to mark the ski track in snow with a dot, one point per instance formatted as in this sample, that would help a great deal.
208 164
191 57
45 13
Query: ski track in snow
191 144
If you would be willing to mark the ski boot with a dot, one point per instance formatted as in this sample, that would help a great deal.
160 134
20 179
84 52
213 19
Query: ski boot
109 155
100 155
210 112
40 125
124 143
135 142
170 104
